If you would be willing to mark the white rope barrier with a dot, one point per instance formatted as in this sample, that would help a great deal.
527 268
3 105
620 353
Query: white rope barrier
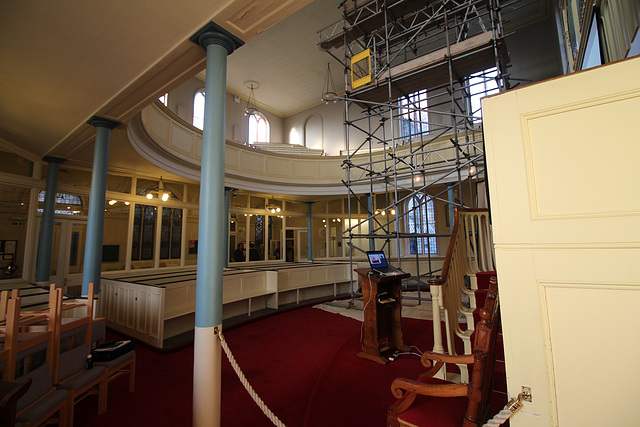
274 419
509 409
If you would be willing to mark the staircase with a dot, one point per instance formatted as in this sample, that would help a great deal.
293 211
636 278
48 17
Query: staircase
463 287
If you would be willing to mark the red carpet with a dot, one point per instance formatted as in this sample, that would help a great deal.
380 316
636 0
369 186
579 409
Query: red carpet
302 363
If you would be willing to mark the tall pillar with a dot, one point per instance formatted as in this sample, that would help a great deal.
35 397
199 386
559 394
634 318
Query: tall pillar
43 263
372 211
95 220
212 230
309 231
227 204
452 200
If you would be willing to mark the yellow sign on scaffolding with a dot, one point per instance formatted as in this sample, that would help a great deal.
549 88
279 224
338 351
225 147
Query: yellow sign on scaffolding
361 69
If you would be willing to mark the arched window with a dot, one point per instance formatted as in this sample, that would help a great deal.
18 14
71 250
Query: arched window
258 128
198 110
421 219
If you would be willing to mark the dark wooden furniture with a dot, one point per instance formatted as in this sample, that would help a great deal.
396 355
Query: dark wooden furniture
382 315
427 399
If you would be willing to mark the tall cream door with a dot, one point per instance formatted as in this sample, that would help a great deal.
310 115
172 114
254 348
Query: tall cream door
563 161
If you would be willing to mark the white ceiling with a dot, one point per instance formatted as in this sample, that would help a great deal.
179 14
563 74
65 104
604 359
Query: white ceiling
286 61
62 61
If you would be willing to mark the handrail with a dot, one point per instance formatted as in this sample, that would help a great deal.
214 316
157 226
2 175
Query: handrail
469 252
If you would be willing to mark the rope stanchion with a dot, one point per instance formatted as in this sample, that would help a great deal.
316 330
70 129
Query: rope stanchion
509 409
274 419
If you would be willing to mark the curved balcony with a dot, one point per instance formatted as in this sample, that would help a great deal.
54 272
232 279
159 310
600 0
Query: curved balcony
174 145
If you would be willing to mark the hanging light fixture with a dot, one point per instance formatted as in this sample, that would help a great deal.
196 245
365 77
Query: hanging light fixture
251 107
329 88
273 206
161 193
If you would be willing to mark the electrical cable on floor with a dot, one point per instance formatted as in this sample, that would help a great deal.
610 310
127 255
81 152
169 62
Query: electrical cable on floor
274 419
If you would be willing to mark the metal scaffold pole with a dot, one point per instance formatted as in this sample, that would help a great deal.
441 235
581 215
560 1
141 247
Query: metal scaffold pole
412 129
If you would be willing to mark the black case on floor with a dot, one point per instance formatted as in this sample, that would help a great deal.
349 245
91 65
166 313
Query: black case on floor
111 350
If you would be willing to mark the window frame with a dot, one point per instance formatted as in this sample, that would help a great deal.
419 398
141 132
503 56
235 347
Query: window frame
414 114
421 219
258 117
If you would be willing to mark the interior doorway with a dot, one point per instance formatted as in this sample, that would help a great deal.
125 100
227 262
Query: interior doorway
295 244
67 250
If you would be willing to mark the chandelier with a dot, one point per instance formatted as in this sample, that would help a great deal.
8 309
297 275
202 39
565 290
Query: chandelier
251 107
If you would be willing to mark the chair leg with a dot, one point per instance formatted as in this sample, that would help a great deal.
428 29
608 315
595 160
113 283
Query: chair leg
132 375
103 389
70 408
64 413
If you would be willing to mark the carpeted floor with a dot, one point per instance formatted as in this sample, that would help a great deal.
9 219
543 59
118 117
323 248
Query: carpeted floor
302 363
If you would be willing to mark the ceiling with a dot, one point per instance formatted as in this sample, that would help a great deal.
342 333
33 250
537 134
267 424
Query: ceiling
64 62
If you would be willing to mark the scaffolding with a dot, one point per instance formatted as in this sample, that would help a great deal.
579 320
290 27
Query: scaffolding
413 130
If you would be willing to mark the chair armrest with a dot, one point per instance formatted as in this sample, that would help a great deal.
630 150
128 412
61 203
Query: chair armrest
429 357
402 385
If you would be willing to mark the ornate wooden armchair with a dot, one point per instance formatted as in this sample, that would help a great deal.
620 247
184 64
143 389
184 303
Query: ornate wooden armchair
434 402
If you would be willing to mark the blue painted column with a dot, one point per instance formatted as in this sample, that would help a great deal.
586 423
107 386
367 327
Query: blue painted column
43 262
309 231
452 200
95 220
212 231
372 211
227 204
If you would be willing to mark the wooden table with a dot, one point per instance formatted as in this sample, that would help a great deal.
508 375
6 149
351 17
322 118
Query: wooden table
382 315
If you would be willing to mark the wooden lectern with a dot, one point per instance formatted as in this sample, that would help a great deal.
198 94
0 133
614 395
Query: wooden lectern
382 314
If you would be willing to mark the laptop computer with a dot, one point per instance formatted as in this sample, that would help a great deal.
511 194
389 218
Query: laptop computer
379 264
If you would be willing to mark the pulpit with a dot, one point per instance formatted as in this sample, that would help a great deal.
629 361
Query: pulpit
382 298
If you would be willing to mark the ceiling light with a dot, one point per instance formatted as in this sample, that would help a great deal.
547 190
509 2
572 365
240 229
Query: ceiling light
127 203
251 107
149 196
329 89
111 202
165 197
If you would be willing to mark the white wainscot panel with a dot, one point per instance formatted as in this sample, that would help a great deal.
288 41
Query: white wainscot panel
305 169
278 166
232 288
231 157
198 148
253 163
158 125
611 402
571 157
182 140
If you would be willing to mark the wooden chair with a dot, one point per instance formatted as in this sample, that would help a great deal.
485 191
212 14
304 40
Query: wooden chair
125 364
25 362
72 338
429 401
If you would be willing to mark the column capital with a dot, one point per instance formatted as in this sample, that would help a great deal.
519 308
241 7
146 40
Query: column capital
51 159
97 121
215 34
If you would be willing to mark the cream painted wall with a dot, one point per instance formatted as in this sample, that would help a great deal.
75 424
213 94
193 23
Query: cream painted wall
566 213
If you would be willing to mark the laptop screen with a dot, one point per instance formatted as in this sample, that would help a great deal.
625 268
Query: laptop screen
377 259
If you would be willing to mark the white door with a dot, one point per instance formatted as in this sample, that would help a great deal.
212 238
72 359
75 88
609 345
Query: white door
67 250
564 193
302 245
